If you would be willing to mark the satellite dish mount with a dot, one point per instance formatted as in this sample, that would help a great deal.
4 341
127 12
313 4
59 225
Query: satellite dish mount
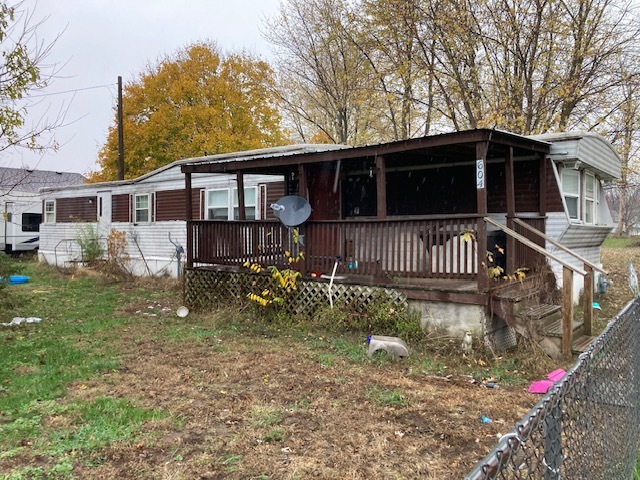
292 211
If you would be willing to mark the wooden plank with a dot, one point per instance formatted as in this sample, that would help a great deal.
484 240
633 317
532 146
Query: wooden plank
481 234
567 311
240 188
511 209
381 187
440 296
189 217
588 301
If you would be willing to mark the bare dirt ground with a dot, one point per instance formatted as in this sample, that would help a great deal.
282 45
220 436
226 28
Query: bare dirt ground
249 406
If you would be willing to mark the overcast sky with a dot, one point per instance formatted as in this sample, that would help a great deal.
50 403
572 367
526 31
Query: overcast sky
101 39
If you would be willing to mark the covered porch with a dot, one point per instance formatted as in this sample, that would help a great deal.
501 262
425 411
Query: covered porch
403 213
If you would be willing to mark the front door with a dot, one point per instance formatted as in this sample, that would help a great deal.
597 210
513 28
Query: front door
104 213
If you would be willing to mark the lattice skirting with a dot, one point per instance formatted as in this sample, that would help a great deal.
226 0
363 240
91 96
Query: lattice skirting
208 288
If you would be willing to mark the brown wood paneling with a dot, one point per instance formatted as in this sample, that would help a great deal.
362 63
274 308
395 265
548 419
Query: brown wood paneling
325 203
554 197
526 182
170 205
120 208
275 191
77 209
198 201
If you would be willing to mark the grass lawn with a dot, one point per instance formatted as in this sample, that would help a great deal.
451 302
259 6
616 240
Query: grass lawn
112 384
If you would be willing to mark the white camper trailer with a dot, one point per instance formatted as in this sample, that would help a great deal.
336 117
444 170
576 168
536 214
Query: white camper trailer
21 205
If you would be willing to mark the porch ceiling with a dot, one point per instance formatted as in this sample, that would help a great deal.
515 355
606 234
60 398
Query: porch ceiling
451 147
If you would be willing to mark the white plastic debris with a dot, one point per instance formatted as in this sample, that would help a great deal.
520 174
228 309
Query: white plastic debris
392 345
19 320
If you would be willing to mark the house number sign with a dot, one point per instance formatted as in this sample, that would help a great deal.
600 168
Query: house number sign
480 174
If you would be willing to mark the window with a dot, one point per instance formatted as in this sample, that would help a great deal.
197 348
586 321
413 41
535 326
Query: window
249 203
141 208
31 222
589 198
50 211
221 207
218 204
571 192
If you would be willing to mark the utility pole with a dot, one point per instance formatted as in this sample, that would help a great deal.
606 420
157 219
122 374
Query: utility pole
120 133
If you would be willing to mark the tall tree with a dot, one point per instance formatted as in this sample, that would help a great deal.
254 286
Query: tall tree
386 35
624 132
528 66
196 102
324 79
24 72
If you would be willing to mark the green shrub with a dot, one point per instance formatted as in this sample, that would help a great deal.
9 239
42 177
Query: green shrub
87 238
381 317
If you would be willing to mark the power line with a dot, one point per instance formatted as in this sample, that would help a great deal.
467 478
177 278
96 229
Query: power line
72 91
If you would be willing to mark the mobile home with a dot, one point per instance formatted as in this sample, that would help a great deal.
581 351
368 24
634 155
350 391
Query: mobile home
21 204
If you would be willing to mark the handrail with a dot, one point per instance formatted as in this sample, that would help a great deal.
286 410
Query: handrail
537 248
559 245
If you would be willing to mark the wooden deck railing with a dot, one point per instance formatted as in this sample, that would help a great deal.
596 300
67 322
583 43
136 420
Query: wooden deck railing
429 247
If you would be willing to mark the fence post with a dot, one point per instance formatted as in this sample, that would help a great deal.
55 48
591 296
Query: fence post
588 300
567 311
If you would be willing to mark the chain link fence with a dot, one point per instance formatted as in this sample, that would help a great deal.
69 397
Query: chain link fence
588 425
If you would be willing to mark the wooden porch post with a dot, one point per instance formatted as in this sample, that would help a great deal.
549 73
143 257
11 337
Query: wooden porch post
567 311
543 186
189 217
381 186
588 301
242 214
302 181
511 209
481 194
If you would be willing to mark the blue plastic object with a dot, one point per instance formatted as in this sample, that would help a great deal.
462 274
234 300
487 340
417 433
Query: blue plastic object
17 279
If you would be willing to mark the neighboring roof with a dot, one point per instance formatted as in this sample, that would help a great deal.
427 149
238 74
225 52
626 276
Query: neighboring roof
262 153
588 148
25 180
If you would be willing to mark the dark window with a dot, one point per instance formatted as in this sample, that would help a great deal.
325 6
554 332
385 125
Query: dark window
31 222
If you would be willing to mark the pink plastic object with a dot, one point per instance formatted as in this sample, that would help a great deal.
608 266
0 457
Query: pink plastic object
556 375
540 386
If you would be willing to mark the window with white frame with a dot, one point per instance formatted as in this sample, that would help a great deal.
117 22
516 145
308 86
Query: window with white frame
50 211
249 203
222 204
218 204
590 198
571 192
141 207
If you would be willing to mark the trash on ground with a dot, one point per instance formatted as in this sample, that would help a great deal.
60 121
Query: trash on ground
393 345
596 305
543 386
15 279
540 386
556 375
182 311
486 419
20 320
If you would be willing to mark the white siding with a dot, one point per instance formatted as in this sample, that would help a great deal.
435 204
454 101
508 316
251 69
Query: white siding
148 246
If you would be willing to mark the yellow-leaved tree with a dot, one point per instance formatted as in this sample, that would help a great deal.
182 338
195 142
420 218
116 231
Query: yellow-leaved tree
196 102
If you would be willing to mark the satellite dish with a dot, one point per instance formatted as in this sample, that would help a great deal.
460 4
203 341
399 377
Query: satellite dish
292 210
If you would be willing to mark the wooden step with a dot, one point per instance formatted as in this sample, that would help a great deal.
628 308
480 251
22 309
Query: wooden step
554 328
582 343
541 311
